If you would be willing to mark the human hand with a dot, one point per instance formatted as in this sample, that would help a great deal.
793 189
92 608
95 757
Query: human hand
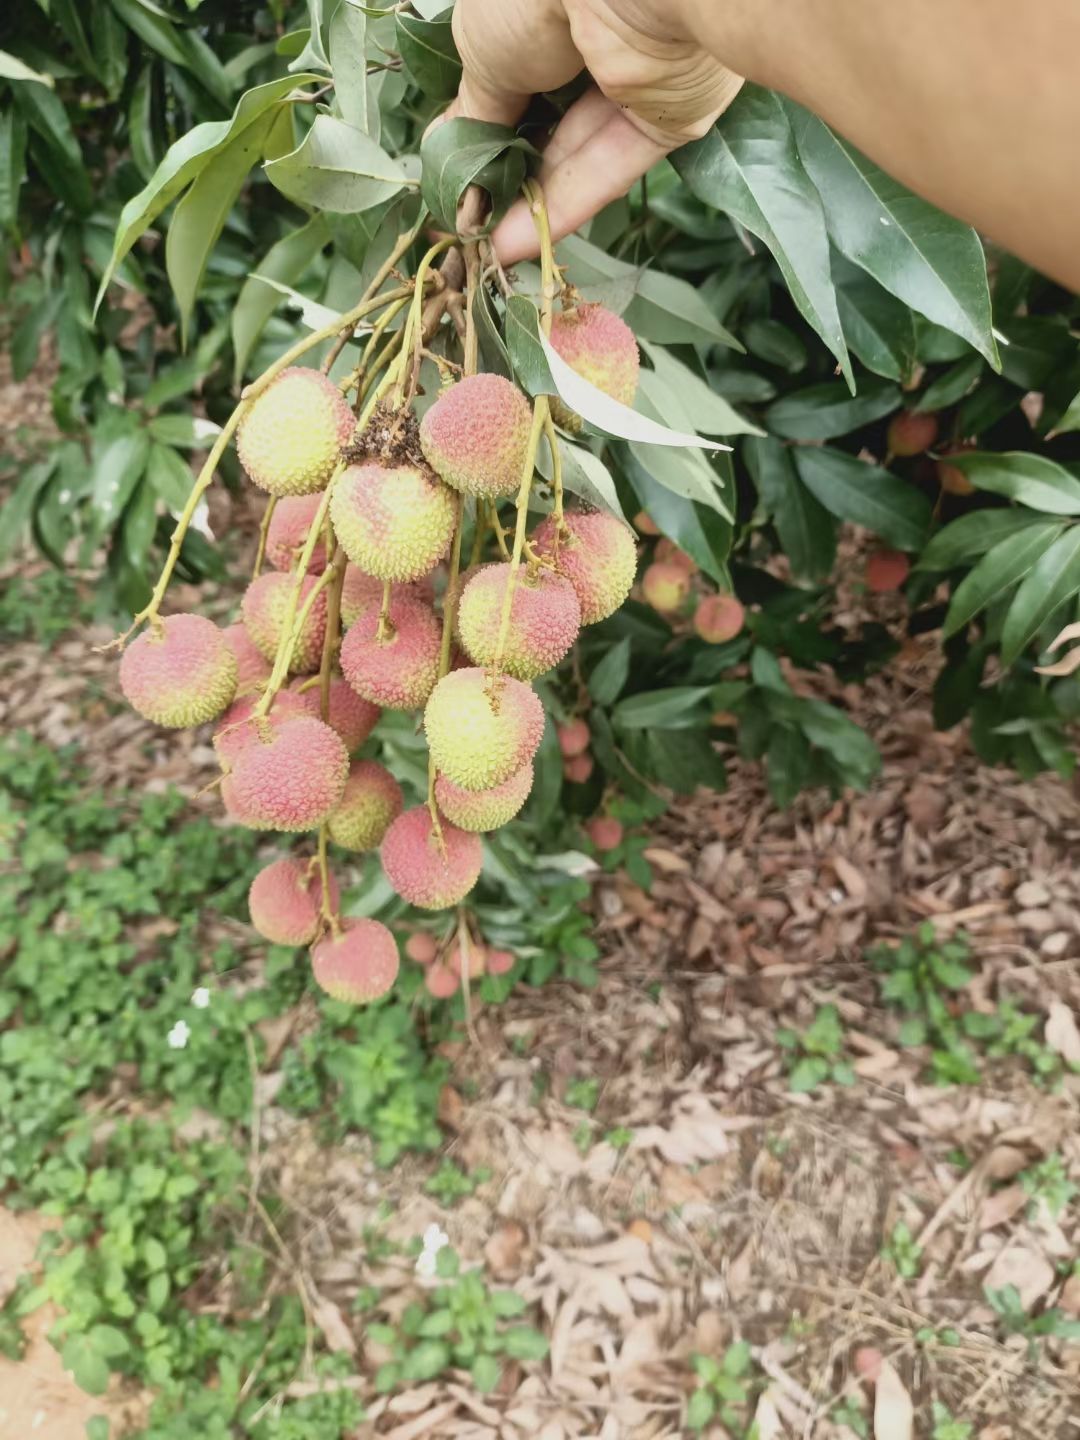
655 89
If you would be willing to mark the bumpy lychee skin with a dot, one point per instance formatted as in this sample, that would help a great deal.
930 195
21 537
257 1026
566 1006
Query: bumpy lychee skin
398 670
482 810
288 529
602 349
180 672
421 947
350 714
428 875
394 521
476 436
478 737
573 738
545 619
290 440
359 965
252 666
264 607
910 433
361 593
719 618
371 802
285 900
290 781
597 555
236 730
605 832
886 570
665 586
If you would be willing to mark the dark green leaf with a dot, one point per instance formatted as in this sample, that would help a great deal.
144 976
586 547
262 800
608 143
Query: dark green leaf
821 412
140 123
12 165
865 494
583 474
118 465
1032 479
285 261
787 764
337 167
139 521
171 478
493 351
425 1361
749 167
988 403
459 153
807 531
972 535
182 47
951 387
54 146
18 507
680 707
698 529
1035 348
998 571
879 329
428 50
1052 580
774 343
932 262
610 674
526 353
685 760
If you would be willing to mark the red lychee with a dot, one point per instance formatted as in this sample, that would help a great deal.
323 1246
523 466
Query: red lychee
252 666
290 780
601 348
605 832
910 433
179 672
476 435
886 570
574 738
425 873
285 901
399 668
237 729
578 768
483 810
421 947
719 618
359 965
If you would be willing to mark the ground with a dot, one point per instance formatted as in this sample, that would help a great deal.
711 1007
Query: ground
652 1183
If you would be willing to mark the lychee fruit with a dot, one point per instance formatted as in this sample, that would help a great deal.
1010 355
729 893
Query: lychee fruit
886 570
605 832
394 521
644 524
467 959
578 768
480 732
349 714
289 525
597 555
428 874
398 669
360 593
421 947
500 962
441 982
359 965
372 800
285 902
482 810
252 666
910 433
545 618
666 586
719 618
236 729
290 441
953 480
573 738
290 780
264 608
476 436
668 551
601 348
179 672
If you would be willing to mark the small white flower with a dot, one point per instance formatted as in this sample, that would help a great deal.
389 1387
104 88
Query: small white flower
434 1240
178 1035
201 998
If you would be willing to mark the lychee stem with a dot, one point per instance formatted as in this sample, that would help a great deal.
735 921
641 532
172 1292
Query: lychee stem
540 410
330 639
450 599
264 531
412 334
355 380
326 909
500 533
556 482
384 630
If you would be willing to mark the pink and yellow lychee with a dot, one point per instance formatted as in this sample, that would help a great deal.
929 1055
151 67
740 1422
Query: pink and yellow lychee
425 872
358 965
290 780
483 810
481 731
285 902
394 521
597 555
719 618
265 607
601 348
290 440
179 672
288 529
371 802
476 436
236 729
252 666
394 665
666 586
545 618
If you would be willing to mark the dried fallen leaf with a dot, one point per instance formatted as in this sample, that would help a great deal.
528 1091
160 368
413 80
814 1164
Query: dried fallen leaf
1025 1268
767 1422
1062 1033
1000 1207
331 1322
894 1414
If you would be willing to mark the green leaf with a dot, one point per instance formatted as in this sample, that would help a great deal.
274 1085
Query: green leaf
774 343
787 764
524 1343
928 260
972 535
1070 419
436 1324
821 412
97 1428
18 507
184 160
700 1409
507 1304
697 405
998 571
54 146
171 478
140 122
852 490
584 474
1053 579
1034 349
749 167
349 62
285 262
879 329
425 1361
807 531
951 387
428 50
12 165
610 674
337 167
679 707
182 47
1032 479
807 1074
485 1371
458 153
200 216
118 464
139 523
12 68
700 530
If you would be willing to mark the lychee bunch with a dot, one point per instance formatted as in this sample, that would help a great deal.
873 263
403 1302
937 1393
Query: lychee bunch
476 435
290 440
394 521
545 618
182 671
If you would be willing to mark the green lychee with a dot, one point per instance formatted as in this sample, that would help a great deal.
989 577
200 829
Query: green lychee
481 731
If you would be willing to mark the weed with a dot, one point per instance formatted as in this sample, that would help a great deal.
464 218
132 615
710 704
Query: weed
583 1093
1015 1320
450 1183
816 1054
1048 1187
902 1251
945 1426
725 1390
619 1138
849 1414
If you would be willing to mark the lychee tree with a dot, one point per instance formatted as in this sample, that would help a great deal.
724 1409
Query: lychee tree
450 453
